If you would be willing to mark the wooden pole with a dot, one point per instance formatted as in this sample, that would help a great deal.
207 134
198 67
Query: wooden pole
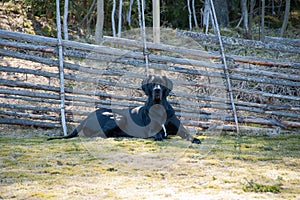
156 21
225 68
61 69
141 10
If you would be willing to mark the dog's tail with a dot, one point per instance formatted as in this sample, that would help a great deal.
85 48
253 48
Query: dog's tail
73 134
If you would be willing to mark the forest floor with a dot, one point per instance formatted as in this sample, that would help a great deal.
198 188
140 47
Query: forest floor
223 167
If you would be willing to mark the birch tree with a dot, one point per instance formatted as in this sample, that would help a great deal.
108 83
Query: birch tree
128 16
100 21
65 20
206 15
262 31
250 21
190 14
120 18
113 24
286 17
194 14
245 15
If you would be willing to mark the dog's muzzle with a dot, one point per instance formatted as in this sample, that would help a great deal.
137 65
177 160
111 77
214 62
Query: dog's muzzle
157 94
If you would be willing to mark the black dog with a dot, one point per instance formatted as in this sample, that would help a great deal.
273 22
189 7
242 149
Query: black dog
155 119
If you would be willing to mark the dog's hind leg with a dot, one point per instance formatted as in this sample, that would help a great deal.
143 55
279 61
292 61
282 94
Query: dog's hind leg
73 134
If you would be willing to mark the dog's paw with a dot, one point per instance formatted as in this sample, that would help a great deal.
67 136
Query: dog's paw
158 137
196 141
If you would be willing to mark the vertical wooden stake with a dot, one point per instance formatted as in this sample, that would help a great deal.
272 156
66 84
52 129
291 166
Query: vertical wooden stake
225 67
61 69
156 21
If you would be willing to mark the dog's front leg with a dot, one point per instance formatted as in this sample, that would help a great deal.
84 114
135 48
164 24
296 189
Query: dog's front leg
183 133
158 136
175 127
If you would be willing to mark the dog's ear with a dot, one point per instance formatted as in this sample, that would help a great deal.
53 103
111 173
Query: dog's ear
145 82
168 85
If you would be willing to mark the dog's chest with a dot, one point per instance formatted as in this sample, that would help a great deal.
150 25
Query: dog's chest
139 123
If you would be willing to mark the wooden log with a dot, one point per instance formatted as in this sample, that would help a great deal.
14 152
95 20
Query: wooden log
265 80
208 73
130 62
28 37
29 99
24 122
25 46
51 41
270 112
29 93
49 101
197 72
191 52
89 102
200 53
263 73
269 107
92 101
240 42
291 124
219 116
29 115
136 55
226 127
264 62
206 117
160 47
34 94
285 41
213 74
241 105
104 49
251 120
26 107
70 90
264 94
70 98
12 83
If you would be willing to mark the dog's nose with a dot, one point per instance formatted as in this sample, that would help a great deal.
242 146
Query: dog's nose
157 88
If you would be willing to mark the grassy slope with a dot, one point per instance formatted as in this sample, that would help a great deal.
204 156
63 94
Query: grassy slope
235 168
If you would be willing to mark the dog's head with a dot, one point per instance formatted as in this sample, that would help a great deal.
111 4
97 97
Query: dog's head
157 88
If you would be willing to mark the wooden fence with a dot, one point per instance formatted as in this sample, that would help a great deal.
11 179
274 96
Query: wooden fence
266 91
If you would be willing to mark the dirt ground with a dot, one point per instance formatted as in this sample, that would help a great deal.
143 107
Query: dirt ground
222 167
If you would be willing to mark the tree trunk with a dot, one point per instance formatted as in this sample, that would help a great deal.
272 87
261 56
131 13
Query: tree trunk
194 14
262 31
120 18
222 12
113 24
156 21
65 21
245 16
190 14
206 16
128 17
249 34
100 21
286 17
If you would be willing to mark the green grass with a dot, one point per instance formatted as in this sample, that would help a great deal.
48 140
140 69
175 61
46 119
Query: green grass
33 168
251 186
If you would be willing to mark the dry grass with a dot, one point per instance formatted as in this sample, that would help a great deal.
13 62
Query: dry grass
223 167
